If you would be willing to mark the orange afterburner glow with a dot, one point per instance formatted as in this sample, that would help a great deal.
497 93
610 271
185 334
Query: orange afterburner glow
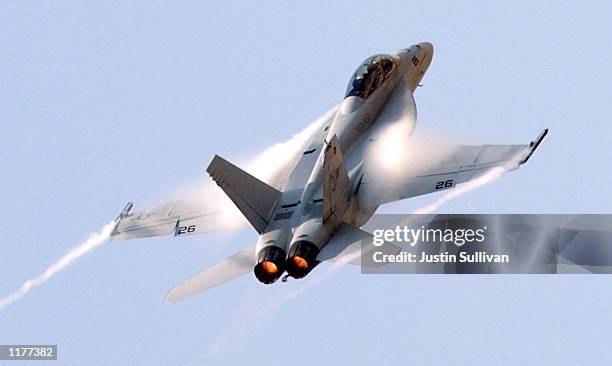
269 267
299 263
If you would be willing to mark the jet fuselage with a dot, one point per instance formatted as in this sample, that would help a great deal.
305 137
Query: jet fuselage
294 244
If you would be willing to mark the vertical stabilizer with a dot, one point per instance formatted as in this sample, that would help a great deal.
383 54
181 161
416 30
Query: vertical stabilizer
254 198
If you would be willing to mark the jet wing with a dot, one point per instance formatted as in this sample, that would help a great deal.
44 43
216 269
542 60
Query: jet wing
429 172
186 216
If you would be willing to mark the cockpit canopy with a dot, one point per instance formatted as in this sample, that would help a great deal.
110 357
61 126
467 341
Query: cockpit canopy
370 75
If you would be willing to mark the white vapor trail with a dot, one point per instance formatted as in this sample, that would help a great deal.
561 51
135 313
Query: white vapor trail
94 240
487 177
482 180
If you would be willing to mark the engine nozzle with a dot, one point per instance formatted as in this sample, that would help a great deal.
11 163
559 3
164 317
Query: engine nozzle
270 264
302 258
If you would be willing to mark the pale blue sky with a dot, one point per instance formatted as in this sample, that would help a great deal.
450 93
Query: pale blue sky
105 102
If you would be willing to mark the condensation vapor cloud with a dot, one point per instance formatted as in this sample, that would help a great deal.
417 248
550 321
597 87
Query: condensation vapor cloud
269 165
94 240
397 153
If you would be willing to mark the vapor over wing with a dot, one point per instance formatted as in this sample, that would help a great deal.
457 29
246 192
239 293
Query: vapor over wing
429 171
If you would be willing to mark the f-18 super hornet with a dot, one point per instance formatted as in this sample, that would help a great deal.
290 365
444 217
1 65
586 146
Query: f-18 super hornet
324 194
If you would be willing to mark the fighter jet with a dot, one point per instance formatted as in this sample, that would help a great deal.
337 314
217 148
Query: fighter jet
314 208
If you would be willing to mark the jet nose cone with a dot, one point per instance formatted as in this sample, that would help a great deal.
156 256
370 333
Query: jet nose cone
427 46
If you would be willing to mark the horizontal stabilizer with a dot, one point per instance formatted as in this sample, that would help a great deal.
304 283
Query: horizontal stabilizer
233 267
254 198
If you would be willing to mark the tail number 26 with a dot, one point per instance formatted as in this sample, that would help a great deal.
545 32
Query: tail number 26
445 184
185 229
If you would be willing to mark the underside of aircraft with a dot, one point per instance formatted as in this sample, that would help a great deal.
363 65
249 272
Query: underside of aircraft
313 207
